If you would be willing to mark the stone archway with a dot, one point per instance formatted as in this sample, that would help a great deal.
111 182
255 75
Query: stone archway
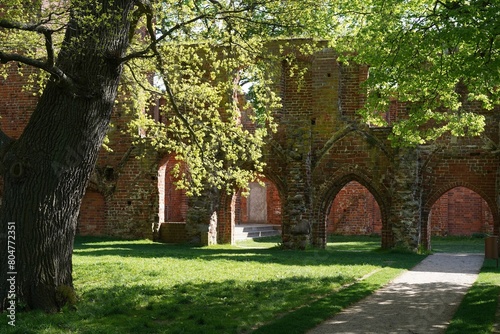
334 187
354 211
433 203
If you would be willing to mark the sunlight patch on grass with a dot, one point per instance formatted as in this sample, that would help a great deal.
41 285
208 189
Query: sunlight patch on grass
146 287
476 313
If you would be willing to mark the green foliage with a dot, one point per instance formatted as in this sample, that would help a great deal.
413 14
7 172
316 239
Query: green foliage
211 65
194 55
202 57
437 56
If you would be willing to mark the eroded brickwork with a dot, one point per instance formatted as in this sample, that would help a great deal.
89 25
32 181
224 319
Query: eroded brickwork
354 212
320 147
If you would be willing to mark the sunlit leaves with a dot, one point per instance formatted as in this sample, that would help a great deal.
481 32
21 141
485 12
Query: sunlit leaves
207 61
438 56
214 66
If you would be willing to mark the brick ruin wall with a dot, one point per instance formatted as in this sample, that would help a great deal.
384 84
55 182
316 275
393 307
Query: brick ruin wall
327 173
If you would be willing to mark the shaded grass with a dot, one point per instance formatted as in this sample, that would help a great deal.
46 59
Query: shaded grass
476 313
145 287
308 317
457 245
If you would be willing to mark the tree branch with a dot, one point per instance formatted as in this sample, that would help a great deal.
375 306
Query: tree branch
54 70
153 47
155 40
34 27
48 65
145 8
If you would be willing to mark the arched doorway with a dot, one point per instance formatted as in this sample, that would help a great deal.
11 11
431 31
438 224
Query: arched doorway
173 201
354 211
172 206
262 205
259 213
460 212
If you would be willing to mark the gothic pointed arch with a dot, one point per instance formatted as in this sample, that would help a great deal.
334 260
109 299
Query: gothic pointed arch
331 188
432 198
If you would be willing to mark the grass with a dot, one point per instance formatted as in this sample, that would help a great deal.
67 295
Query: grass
476 313
457 245
145 287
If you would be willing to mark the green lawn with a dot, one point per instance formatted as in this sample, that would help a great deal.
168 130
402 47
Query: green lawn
146 287
476 313
457 245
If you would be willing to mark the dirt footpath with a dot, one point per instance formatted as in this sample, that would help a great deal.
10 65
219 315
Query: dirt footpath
422 300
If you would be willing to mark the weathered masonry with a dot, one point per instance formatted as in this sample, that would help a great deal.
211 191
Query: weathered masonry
320 150
321 146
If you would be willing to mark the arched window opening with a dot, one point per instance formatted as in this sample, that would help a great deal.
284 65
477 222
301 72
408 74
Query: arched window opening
354 212
460 212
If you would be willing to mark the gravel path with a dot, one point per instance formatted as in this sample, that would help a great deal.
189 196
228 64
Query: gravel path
422 300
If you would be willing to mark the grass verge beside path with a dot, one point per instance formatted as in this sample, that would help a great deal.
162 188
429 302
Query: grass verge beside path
145 287
476 313
311 315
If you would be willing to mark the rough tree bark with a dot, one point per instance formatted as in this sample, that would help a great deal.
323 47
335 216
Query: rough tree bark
47 169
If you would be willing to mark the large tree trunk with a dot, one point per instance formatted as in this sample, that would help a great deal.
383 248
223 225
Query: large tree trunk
47 169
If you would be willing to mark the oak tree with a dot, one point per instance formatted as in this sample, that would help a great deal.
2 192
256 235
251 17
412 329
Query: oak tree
83 50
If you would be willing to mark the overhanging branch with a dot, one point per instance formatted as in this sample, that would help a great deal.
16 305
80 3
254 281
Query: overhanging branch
47 65
54 70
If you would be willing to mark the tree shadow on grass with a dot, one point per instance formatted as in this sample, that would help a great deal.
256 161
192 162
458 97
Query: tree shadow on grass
311 257
228 306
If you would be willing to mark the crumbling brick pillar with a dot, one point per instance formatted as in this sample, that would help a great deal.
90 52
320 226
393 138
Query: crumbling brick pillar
405 209
201 218
297 121
297 204
226 217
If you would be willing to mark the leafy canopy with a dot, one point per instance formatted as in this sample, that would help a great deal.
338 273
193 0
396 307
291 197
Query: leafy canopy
202 56
196 55
436 55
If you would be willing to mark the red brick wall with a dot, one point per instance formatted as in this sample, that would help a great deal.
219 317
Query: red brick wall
92 218
354 212
460 211
16 105
273 204
173 232
319 147
175 201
